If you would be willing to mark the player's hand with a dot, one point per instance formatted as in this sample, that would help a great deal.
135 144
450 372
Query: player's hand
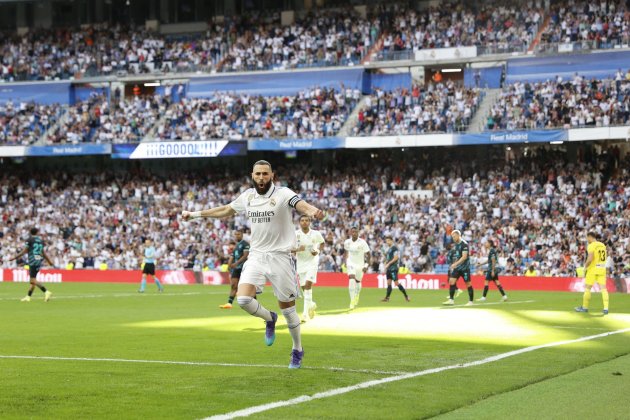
232 265
319 214
186 215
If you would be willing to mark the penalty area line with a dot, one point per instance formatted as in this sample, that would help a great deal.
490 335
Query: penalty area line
192 363
369 384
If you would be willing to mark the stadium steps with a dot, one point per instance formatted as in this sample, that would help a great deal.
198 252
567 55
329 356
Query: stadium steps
43 139
478 122
151 133
353 118
538 37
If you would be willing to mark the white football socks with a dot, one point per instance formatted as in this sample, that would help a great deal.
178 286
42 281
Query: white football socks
293 322
253 307
308 300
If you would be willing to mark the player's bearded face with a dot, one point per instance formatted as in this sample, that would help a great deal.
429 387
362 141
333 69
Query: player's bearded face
262 178
262 185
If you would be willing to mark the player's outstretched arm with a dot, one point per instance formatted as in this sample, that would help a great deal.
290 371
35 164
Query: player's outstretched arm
24 251
48 259
309 210
216 212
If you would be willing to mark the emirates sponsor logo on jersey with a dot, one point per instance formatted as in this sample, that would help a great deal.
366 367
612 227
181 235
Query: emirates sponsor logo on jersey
260 216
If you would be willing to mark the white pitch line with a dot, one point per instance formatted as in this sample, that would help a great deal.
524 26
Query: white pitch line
368 384
579 328
93 296
488 303
185 363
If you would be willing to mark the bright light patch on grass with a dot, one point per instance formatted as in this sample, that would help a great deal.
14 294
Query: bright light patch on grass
457 324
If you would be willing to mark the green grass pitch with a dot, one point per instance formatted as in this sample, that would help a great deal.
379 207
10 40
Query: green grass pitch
105 351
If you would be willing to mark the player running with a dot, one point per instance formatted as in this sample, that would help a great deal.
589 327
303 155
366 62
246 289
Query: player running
235 264
35 249
357 259
391 269
309 244
595 272
492 272
269 210
460 268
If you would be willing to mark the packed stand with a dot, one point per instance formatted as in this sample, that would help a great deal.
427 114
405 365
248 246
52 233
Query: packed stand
24 123
444 107
321 38
311 113
255 41
497 27
563 104
588 25
94 120
102 49
537 208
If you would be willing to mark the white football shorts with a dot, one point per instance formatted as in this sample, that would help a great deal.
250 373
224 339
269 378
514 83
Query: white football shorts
307 274
277 268
357 270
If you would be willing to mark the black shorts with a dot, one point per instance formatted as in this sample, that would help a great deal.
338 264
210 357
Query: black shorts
149 268
33 270
236 273
490 277
465 274
392 275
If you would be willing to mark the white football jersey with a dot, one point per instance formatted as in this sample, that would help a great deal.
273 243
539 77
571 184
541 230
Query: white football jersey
356 251
270 217
311 241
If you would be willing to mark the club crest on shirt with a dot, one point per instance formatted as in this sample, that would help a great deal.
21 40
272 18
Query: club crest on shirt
249 199
272 202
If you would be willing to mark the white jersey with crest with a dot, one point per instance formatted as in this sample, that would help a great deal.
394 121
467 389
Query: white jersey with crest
271 218
356 252
311 241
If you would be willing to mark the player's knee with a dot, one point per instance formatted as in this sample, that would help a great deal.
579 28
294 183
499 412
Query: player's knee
243 301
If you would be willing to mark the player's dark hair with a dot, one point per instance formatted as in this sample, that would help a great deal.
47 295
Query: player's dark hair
305 216
389 237
264 162
34 231
593 234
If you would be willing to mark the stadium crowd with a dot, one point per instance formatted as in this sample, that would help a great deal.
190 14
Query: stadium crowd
537 208
24 123
94 120
435 107
311 113
338 36
591 25
563 104
256 41
496 26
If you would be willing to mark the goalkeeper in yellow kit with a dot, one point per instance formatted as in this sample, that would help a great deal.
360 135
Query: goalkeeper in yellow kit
595 271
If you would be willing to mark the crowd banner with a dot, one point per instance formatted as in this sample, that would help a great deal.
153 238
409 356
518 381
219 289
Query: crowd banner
70 150
376 142
12 151
20 275
446 53
440 281
507 137
599 133
188 149
324 279
297 144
